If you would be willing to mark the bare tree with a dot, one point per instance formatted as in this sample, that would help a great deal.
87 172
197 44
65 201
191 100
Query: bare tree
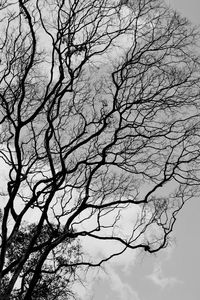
99 114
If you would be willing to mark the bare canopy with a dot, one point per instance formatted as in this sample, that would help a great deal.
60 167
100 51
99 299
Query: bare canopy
99 114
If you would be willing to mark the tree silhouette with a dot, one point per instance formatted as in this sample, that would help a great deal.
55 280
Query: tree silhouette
99 117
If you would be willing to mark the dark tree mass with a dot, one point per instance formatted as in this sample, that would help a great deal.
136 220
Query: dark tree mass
99 120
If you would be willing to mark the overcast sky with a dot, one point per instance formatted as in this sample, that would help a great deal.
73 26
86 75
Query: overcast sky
188 8
173 274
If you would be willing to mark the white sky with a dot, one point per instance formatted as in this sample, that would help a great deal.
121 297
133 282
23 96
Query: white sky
174 273
188 8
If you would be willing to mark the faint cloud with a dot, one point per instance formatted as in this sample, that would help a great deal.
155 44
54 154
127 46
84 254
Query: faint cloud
158 278
123 290
108 284
109 281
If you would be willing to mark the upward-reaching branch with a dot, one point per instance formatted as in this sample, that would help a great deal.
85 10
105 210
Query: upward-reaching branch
99 113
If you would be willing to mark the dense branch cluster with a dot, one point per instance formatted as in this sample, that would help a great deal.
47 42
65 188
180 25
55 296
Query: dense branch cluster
99 113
